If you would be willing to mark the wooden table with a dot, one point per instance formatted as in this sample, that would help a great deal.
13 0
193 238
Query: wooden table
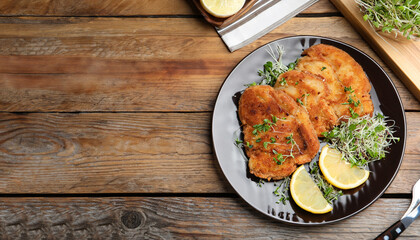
105 125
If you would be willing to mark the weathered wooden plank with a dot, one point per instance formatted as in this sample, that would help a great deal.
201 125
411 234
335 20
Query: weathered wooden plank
43 153
178 218
128 152
175 38
118 85
113 8
184 58
123 92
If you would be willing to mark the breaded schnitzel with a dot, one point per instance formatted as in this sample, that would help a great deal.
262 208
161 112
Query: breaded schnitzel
278 133
330 84
281 124
312 92
348 83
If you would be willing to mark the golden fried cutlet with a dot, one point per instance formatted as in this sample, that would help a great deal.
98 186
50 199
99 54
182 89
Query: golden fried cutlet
312 93
348 83
278 134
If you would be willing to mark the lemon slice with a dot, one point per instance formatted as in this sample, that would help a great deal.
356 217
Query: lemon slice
222 8
338 172
306 193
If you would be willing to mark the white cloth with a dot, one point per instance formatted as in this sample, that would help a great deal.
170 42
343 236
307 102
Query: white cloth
263 17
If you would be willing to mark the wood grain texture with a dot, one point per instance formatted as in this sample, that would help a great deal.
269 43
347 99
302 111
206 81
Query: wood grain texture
148 83
115 8
178 218
401 55
47 153
112 64
129 153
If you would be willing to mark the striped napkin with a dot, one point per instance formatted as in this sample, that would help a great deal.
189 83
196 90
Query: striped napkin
263 17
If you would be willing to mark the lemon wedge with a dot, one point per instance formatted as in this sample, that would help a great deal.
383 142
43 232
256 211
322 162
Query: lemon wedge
306 193
338 172
222 8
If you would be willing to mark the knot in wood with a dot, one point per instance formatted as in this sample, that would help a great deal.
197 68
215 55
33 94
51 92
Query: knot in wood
131 219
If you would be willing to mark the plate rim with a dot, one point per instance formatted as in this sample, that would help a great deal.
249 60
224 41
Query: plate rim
393 88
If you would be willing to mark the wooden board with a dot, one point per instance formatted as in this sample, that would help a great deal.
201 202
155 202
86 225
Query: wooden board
116 8
178 218
402 55
112 57
129 153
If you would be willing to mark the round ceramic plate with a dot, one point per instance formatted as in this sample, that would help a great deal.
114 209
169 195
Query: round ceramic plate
226 127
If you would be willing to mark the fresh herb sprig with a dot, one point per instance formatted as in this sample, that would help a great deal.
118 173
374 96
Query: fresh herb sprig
260 182
272 70
363 139
265 126
330 193
280 158
282 190
401 15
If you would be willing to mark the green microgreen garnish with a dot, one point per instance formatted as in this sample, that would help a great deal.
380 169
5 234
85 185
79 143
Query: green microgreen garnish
304 96
251 84
274 119
238 142
362 140
292 65
400 15
348 89
279 158
272 70
282 190
290 139
260 182
330 193
266 144
323 68
265 126
353 113
351 101
283 81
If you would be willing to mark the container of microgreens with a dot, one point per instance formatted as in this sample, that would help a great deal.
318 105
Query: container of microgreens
401 18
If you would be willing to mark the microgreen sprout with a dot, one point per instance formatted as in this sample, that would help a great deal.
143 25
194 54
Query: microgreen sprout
292 65
260 182
280 158
389 15
282 190
283 81
348 89
362 140
272 69
330 193
290 139
238 142
299 101
265 126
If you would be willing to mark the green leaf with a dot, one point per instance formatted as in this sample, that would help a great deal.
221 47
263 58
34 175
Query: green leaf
365 17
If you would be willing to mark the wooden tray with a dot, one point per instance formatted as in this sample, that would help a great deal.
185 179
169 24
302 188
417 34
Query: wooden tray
402 56
222 22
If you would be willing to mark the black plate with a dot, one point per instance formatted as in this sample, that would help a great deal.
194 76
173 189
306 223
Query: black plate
225 128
